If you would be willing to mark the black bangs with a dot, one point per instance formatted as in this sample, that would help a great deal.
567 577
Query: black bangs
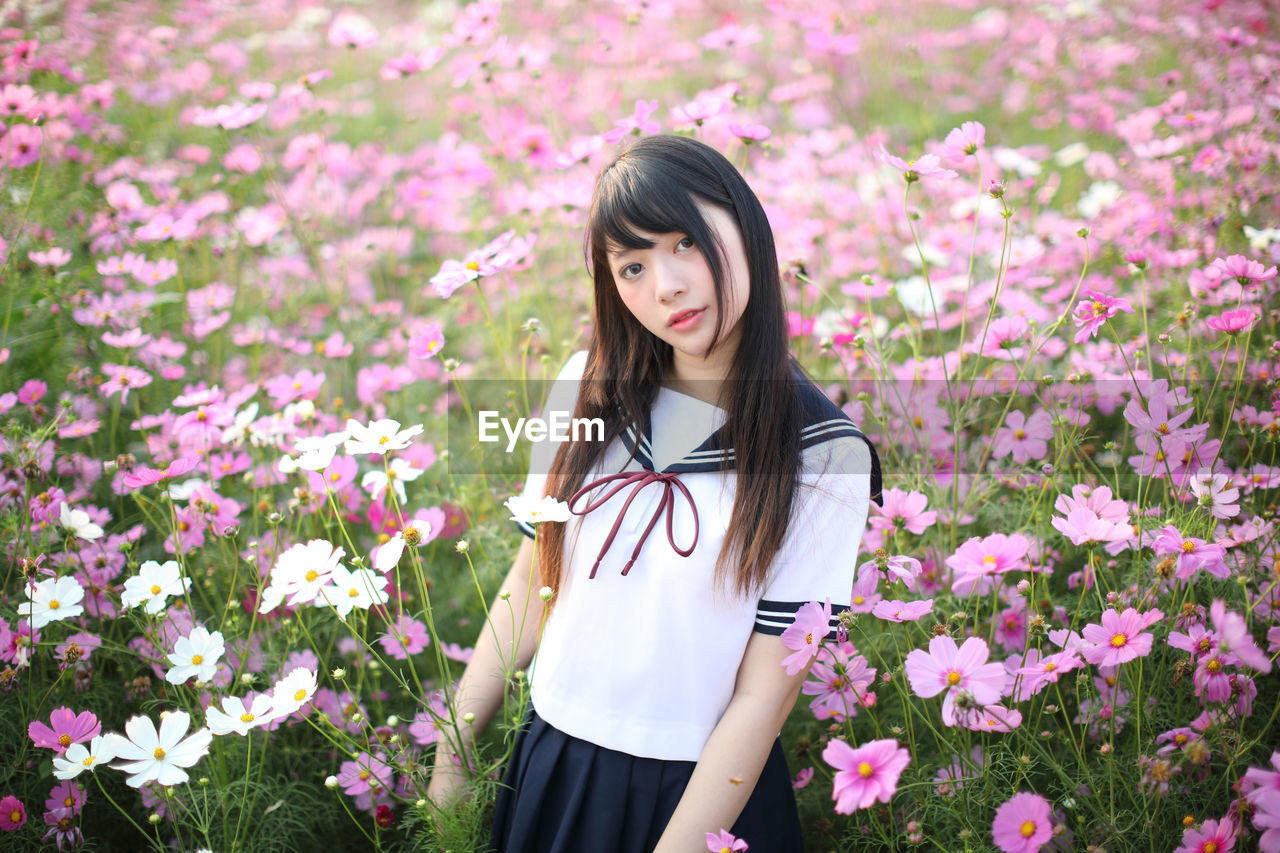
652 200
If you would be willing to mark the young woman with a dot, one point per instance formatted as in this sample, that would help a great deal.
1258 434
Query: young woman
727 492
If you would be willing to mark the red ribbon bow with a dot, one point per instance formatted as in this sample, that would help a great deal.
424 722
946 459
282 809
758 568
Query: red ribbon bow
638 479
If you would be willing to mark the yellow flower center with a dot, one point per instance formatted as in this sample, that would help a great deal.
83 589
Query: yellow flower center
69 801
159 754
865 770
53 604
1028 828
1188 546
808 639
197 659
353 592
989 560
15 816
1017 433
473 265
364 775
155 589
1210 847
64 740
312 574
300 695
246 717
383 439
1213 665
953 677
1050 666
858 600
88 761
1118 640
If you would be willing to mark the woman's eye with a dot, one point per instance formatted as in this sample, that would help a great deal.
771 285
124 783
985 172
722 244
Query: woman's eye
686 243
630 271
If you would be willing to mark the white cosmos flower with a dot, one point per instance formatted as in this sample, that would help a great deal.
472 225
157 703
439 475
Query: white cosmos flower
292 692
303 569
1214 493
235 717
378 437
51 600
151 755
416 530
195 654
397 474
153 584
348 590
77 521
536 510
79 758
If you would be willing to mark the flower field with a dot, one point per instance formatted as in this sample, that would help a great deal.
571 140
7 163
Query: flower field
255 256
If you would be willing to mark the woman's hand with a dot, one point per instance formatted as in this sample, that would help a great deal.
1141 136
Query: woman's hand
449 784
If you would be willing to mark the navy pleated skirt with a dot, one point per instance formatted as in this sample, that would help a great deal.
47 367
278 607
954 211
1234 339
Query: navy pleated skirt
562 794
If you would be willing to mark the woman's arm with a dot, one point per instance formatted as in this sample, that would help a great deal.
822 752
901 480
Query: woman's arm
735 753
506 643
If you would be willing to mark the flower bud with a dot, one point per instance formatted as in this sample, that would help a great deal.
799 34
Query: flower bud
468 718
339 673
545 593
393 720
331 782
1024 586
503 595
153 818
462 546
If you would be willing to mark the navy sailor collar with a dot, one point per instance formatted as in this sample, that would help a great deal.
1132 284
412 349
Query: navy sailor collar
822 421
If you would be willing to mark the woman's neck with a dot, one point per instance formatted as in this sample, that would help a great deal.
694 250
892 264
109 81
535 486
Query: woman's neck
703 378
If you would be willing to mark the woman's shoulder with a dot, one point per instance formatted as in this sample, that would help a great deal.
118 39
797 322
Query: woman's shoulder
831 443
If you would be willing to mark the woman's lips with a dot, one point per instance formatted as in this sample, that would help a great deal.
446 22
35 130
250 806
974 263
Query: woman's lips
687 319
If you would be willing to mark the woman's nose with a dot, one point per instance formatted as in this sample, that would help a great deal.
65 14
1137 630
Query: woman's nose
668 283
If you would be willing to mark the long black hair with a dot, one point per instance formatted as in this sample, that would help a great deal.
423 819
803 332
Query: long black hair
654 186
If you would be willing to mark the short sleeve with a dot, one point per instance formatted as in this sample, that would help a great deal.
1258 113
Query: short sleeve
819 556
563 397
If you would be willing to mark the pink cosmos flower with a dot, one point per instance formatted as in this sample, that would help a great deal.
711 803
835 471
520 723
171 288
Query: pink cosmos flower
964 141
351 30
804 636
989 718
1045 671
1233 636
1091 515
143 476
453 274
866 774
1001 339
1190 553
1214 493
366 773
749 133
964 670
23 143
1024 438
303 385
1242 269
839 680
803 778
428 342
404 638
926 166
1120 638
65 728
55 257
1023 824
1096 309
1232 322
902 611
12 813
122 379
1212 837
902 510
863 597
980 560
724 842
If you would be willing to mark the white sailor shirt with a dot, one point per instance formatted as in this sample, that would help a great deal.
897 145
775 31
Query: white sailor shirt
642 657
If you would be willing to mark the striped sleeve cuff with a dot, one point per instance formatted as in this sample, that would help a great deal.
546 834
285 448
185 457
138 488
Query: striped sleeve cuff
774 617
526 529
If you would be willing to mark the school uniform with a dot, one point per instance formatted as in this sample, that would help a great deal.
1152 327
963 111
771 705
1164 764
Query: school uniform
638 659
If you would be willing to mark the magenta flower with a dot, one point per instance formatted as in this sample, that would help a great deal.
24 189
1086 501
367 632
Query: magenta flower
12 813
1232 322
1024 438
980 560
804 636
892 610
143 476
427 342
1233 636
65 728
724 842
866 774
1243 270
366 773
944 667
1023 824
1096 309
1190 554
1120 638
1092 516
1045 671
863 597
902 510
351 30
1212 837
122 379
803 778
839 679
406 637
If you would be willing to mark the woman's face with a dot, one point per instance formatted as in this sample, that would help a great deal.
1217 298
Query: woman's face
668 288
